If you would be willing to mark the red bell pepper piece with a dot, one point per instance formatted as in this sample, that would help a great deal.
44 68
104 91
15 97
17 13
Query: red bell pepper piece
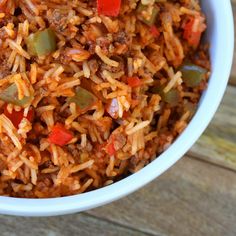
134 82
191 35
60 135
126 114
154 31
108 7
110 149
17 116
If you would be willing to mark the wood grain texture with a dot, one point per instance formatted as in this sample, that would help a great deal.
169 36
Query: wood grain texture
192 198
218 143
72 225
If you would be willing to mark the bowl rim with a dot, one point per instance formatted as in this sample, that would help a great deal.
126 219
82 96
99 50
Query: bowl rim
95 198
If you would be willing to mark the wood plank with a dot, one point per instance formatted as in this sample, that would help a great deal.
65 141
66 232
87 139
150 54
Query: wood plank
79 224
217 144
192 198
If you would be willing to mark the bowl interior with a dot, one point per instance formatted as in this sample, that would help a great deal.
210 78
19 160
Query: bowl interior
221 58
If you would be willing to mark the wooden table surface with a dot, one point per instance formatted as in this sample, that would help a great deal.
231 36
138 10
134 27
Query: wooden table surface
195 197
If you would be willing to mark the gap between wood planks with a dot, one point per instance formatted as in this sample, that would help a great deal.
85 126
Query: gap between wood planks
110 221
73 225
205 160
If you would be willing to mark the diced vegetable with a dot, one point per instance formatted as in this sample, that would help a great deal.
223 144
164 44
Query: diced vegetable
83 99
191 107
112 108
144 15
154 31
110 149
134 82
90 86
115 142
126 114
41 43
17 116
172 97
192 74
10 95
193 34
156 89
60 135
108 7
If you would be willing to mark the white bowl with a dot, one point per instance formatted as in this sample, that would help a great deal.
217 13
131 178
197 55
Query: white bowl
220 34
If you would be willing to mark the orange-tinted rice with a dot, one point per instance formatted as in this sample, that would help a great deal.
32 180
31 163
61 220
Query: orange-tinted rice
97 53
